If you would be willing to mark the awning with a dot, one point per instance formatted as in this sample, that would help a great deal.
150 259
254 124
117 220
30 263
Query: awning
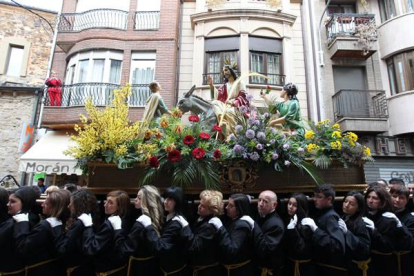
47 155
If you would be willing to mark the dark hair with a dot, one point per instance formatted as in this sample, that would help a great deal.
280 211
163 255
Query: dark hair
176 194
327 190
123 201
242 204
70 187
291 90
27 196
232 71
384 197
361 205
400 190
84 201
4 198
302 205
397 181
41 179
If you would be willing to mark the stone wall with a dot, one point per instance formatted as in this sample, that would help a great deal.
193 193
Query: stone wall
15 109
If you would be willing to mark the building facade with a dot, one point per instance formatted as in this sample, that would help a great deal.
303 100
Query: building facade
361 65
258 37
25 46
102 45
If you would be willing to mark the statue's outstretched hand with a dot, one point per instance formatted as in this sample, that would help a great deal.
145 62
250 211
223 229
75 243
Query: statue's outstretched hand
209 80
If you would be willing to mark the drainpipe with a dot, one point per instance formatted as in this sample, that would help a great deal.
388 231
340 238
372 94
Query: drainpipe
180 25
49 66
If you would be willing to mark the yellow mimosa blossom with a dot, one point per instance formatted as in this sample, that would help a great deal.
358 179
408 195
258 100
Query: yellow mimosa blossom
336 145
309 134
336 134
367 151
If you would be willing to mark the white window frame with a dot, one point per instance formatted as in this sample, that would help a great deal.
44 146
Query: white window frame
142 57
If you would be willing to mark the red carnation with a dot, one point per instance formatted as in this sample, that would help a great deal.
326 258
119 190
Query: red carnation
204 136
217 154
174 156
153 161
193 118
188 140
198 153
216 128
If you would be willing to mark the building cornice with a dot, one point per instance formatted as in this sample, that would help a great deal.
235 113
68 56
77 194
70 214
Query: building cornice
224 15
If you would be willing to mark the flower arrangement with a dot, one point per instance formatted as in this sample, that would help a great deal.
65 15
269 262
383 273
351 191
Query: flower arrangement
107 135
324 142
185 151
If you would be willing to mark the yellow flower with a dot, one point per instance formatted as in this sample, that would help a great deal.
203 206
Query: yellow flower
178 128
367 151
336 126
336 134
336 145
176 113
311 147
121 150
148 134
352 136
164 122
309 134
158 135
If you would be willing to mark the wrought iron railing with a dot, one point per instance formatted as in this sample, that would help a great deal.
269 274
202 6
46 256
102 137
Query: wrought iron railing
101 94
217 78
147 20
98 18
273 79
360 104
345 24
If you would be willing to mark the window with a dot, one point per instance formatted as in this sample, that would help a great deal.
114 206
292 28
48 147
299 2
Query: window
142 74
218 51
266 59
147 16
401 72
341 9
392 8
15 61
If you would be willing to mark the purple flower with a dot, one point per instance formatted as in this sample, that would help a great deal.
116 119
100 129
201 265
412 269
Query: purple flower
283 136
243 109
238 128
259 146
273 130
266 115
261 135
238 149
256 122
232 137
293 133
245 156
249 97
275 156
272 141
251 120
287 163
254 156
301 150
286 146
250 133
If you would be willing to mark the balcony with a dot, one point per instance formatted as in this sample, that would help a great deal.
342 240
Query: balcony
342 31
98 18
273 79
146 20
361 110
75 96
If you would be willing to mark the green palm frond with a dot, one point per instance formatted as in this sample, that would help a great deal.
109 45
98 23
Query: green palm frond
322 161
310 169
184 174
208 173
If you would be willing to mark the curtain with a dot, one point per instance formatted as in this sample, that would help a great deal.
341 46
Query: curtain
115 73
257 65
273 69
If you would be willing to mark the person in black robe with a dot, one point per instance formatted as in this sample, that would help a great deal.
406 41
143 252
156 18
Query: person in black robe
202 242
37 244
405 259
328 240
356 234
298 238
100 244
69 243
268 236
387 232
169 246
235 238
10 262
133 246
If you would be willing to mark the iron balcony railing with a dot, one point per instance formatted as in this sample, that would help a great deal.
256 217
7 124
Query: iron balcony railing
360 104
98 18
273 79
147 20
101 94
345 24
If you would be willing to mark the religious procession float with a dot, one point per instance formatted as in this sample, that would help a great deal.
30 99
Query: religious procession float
204 150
